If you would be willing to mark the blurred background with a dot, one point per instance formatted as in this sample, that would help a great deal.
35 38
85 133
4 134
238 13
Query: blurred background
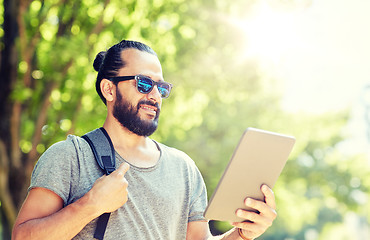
298 67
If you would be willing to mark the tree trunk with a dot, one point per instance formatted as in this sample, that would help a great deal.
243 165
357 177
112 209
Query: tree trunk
8 76
19 44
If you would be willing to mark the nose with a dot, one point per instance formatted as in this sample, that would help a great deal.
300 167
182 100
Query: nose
155 95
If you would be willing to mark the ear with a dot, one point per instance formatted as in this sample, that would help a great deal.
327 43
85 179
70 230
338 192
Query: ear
107 88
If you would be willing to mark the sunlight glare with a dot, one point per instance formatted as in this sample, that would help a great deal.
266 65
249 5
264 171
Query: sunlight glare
271 33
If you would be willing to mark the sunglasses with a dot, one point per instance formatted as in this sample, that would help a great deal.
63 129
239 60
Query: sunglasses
145 84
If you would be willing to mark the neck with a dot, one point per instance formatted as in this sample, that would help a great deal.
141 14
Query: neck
138 150
121 136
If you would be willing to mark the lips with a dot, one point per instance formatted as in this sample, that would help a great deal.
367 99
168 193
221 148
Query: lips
149 109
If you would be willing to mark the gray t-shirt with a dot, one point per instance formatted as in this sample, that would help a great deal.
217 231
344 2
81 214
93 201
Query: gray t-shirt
161 199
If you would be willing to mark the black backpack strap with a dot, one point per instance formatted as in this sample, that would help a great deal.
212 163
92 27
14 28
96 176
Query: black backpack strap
101 226
102 147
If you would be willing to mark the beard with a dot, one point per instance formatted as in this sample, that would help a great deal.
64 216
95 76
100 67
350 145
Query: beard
128 116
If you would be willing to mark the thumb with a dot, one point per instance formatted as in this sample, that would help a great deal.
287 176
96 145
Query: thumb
123 168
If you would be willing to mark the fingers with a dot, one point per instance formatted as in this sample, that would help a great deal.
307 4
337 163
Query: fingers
253 217
256 223
250 230
263 208
269 196
266 208
122 169
110 192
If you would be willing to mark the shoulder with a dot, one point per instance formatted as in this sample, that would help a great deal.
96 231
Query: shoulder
70 146
62 153
62 166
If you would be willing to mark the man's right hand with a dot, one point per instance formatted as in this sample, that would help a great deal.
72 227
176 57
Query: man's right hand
110 192
43 216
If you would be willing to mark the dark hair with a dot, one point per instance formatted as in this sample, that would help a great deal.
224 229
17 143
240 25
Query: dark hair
107 63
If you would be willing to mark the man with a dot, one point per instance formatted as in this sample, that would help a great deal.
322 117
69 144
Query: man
156 193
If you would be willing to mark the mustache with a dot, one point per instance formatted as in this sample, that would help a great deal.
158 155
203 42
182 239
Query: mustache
147 102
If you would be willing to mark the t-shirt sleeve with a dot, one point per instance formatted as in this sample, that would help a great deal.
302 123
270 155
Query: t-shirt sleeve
198 201
53 170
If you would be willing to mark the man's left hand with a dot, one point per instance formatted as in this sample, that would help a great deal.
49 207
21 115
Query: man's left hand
256 224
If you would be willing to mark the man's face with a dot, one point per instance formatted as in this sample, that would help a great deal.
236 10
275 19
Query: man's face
128 116
136 111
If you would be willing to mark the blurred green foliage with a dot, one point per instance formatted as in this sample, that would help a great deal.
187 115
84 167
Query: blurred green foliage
217 94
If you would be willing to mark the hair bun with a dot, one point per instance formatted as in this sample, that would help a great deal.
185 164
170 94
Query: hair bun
98 62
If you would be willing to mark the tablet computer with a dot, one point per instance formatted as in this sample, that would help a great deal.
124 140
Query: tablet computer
258 159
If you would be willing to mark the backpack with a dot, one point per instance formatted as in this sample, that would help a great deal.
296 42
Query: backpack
102 147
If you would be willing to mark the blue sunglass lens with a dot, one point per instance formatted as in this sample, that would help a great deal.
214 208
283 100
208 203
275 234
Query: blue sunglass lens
164 90
145 85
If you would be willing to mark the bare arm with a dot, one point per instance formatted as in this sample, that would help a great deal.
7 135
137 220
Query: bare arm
257 225
42 215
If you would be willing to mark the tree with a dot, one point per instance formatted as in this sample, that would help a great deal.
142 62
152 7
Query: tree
8 72
47 91
34 68
47 82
